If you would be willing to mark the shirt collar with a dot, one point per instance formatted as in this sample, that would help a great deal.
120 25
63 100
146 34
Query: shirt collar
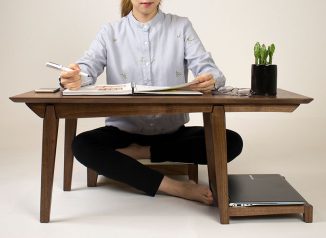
146 26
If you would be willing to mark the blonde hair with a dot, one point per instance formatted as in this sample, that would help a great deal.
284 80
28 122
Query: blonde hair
126 7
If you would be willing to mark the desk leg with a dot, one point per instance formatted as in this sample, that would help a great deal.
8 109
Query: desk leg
70 133
215 137
50 132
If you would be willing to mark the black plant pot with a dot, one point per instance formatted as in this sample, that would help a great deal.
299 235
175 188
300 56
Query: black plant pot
264 80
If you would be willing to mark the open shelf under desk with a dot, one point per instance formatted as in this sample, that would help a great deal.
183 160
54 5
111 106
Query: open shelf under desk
305 209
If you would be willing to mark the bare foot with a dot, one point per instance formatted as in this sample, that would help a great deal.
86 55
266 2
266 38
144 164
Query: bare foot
136 151
187 190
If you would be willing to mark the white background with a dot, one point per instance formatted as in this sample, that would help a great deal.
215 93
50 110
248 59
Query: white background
36 31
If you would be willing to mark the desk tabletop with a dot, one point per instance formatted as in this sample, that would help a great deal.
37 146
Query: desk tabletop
282 97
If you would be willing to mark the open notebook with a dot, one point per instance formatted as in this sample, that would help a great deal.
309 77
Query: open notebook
261 190
133 89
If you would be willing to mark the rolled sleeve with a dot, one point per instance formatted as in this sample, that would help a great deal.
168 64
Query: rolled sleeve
95 58
200 61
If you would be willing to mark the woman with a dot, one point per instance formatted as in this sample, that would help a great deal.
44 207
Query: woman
147 47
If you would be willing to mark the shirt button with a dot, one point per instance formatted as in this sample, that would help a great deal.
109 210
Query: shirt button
147 64
146 42
145 27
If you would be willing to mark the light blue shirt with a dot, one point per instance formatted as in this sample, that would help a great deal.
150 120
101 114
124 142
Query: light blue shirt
159 52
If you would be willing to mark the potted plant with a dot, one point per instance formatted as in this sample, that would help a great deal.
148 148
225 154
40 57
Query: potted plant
264 72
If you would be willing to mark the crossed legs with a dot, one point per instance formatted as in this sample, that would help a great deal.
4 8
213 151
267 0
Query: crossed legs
115 153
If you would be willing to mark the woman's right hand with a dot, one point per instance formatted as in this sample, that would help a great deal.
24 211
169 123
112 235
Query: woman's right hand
71 79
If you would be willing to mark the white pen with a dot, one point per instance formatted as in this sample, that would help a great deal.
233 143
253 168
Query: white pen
63 68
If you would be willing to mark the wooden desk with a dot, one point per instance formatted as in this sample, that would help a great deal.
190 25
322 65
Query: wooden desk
52 107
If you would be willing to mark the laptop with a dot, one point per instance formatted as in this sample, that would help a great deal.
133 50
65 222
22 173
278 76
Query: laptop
261 190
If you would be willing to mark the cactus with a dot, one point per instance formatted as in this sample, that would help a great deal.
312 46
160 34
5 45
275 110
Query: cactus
257 53
261 54
271 50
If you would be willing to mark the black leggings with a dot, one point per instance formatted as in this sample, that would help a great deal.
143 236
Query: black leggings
96 149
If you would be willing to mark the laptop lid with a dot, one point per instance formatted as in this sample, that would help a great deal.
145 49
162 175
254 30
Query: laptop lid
262 190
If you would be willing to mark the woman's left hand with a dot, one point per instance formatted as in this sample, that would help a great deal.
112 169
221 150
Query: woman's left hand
205 83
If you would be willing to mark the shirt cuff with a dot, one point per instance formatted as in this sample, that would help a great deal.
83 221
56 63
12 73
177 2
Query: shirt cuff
85 81
219 82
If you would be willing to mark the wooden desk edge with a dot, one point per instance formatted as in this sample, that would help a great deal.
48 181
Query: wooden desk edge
283 97
103 110
262 108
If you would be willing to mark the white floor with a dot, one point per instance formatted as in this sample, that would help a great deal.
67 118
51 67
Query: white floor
113 210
